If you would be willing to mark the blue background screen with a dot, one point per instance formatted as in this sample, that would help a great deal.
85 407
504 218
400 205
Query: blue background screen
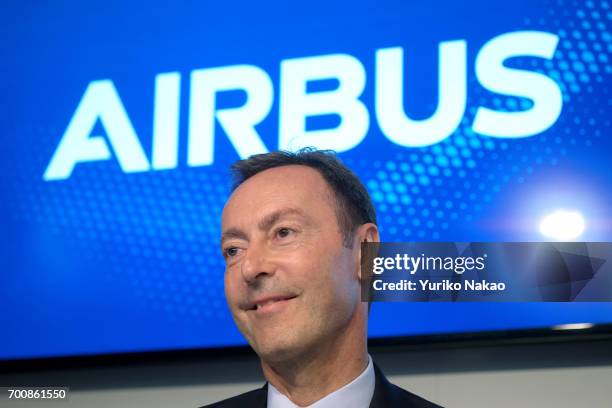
108 260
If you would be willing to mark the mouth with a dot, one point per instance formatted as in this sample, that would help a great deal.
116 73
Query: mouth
270 304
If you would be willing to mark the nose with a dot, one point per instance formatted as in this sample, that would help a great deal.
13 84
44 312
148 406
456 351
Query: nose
256 264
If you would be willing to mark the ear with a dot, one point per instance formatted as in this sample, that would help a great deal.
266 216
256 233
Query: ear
365 233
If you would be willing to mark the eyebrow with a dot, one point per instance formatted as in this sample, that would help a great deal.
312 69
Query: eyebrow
266 223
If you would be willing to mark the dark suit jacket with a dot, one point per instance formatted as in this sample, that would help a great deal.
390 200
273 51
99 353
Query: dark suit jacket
385 395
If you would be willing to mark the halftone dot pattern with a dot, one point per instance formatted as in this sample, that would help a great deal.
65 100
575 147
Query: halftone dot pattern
420 194
160 230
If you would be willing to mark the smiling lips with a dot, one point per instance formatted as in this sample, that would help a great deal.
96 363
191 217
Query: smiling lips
269 304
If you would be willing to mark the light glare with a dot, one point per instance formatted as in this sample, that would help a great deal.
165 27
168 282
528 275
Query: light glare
562 225
573 326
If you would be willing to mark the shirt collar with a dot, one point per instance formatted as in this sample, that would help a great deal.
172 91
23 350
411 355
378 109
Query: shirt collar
358 393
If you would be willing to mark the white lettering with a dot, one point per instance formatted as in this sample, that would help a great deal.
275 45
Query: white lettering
166 121
296 104
238 123
100 101
543 91
399 128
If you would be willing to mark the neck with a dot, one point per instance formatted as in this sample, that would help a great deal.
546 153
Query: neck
323 369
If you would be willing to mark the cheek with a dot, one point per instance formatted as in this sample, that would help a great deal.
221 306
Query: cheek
344 279
231 290
307 263
316 270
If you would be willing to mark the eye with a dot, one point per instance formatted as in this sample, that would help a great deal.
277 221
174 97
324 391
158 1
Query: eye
284 232
230 252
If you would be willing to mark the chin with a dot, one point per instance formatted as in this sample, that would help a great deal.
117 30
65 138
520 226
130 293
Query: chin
278 350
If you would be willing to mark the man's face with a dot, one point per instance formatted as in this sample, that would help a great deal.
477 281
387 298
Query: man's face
290 283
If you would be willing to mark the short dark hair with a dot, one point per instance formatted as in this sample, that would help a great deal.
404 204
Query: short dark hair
353 203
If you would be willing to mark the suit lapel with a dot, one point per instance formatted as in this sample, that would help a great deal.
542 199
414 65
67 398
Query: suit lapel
382 389
262 397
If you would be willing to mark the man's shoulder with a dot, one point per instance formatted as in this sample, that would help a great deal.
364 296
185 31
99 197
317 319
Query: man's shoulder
387 394
254 398
401 397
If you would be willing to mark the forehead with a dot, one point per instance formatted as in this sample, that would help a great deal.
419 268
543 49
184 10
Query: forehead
294 186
